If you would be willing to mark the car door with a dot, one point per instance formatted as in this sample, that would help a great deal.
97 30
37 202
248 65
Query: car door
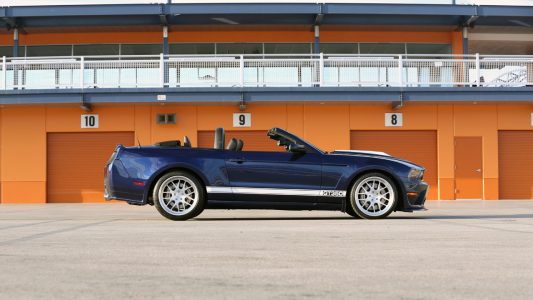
274 176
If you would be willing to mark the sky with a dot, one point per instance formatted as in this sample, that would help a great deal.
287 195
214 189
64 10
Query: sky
75 2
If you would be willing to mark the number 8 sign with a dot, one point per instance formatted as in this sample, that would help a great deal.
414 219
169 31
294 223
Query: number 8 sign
393 119
242 120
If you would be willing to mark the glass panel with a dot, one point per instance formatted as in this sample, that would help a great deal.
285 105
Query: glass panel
51 50
287 48
141 49
6 51
429 48
192 48
339 48
382 48
103 49
36 79
241 48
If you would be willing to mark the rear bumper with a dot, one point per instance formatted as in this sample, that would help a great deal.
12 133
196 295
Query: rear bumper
118 184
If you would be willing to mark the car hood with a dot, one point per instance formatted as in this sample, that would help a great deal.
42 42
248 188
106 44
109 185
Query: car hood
374 154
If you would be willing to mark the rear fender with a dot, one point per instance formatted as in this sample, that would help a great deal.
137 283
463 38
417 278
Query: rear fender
150 183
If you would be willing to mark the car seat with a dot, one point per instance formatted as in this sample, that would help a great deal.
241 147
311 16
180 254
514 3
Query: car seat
240 144
186 142
232 145
220 138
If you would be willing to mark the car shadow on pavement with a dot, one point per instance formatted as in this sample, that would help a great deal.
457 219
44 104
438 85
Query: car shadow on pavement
413 217
273 218
466 217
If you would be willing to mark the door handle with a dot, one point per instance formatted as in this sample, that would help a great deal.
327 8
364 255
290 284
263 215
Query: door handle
478 170
236 160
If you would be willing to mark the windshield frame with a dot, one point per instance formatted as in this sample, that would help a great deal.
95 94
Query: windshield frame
278 133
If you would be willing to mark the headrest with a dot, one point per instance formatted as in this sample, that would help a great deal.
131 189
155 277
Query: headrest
220 138
186 142
240 144
232 145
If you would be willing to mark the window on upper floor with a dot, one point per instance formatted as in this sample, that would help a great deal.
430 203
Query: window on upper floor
239 48
141 49
192 48
339 48
288 48
49 50
419 48
382 48
97 49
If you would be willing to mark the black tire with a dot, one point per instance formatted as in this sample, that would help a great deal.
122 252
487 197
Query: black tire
378 185
171 209
350 211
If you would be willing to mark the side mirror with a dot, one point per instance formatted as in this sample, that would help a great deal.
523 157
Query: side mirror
296 148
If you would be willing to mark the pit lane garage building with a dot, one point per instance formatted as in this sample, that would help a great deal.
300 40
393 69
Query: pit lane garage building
446 86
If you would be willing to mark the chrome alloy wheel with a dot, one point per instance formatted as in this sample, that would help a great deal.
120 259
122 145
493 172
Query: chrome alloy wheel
374 196
178 195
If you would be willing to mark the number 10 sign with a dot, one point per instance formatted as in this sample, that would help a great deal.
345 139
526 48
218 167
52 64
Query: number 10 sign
89 121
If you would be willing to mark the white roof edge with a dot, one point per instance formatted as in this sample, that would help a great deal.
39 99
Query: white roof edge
104 2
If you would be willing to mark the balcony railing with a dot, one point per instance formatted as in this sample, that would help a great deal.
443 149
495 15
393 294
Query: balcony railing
265 71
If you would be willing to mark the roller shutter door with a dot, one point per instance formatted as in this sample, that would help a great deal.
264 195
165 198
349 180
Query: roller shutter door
76 164
515 151
255 140
418 146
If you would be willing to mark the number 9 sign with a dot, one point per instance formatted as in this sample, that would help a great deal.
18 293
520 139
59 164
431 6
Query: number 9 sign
242 120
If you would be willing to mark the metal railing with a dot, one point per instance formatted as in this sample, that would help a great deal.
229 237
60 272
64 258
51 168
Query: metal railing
265 71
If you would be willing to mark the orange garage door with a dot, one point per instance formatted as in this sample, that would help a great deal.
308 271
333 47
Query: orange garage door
418 146
76 164
254 140
515 151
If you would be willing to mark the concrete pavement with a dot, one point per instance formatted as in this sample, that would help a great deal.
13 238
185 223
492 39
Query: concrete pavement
456 250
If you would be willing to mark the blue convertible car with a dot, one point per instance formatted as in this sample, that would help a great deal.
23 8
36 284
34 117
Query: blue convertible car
181 181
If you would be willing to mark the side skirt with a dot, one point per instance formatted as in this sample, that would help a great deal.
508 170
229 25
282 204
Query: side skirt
218 204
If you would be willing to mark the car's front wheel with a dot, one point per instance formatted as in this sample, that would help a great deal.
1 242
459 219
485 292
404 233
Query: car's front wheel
373 196
179 196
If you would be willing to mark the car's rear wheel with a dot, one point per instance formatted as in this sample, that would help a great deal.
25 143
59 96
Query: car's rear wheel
373 196
179 196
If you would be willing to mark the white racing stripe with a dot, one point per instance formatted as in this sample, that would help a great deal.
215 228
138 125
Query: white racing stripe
272 191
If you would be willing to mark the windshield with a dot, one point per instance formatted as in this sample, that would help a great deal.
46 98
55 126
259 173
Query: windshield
285 138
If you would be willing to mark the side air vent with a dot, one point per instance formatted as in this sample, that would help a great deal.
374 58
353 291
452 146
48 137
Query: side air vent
166 118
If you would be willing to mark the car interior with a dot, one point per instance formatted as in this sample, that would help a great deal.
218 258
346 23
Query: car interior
233 145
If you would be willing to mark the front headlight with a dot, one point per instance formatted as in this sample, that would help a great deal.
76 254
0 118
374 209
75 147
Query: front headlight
416 174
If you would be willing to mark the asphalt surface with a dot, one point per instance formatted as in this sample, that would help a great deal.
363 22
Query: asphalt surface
456 250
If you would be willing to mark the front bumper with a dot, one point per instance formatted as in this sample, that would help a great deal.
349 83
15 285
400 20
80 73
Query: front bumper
416 197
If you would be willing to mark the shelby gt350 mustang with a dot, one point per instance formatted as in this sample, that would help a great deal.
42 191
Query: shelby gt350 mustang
181 181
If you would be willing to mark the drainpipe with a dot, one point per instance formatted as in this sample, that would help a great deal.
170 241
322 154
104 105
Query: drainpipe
465 40
316 46
15 42
165 40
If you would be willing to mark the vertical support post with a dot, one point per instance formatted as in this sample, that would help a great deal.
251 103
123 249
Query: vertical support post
316 46
4 73
15 42
400 70
465 41
82 71
321 69
165 40
162 70
15 54
478 70
166 72
241 70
